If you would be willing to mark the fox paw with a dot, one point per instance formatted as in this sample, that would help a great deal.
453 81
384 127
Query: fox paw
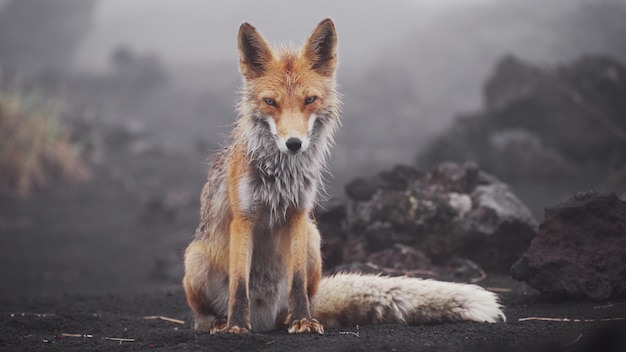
219 325
305 325
234 330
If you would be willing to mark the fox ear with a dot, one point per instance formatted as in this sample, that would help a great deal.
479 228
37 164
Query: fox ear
254 52
321 48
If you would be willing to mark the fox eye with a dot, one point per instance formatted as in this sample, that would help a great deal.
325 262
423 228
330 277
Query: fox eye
270 101
310 100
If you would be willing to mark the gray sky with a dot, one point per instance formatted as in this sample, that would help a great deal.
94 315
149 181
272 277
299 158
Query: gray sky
199 31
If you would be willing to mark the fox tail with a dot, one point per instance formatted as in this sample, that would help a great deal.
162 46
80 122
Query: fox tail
353 299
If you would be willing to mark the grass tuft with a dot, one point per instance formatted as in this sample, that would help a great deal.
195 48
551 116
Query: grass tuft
35 148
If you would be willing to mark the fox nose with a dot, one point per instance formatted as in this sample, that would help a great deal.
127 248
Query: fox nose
294 144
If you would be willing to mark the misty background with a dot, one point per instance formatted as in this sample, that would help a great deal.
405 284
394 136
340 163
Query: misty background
168 69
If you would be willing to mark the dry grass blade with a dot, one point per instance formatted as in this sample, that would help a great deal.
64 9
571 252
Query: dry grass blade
482 274
118 339
573 342
568 320
609 305
84 336
160 317
351 332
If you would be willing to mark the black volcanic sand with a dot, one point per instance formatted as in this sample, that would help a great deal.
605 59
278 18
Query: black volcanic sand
121 315
98 258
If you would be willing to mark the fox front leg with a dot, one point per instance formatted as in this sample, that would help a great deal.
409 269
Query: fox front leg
299 319
240 257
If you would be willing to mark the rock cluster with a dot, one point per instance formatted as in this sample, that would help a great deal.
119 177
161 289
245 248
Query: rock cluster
405 220
580 250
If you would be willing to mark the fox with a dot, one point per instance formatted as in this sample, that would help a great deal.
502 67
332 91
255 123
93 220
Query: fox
255 263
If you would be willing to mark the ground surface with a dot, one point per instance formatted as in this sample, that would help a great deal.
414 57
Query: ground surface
108 317
96 259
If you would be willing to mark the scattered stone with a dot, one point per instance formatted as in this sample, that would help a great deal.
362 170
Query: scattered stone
580 250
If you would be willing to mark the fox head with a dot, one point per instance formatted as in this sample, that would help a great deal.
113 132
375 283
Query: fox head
289 91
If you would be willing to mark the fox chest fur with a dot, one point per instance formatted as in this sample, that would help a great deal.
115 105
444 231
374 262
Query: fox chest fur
276 185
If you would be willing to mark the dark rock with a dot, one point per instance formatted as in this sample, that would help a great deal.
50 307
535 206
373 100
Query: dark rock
330 218
452 210
465 269
511 81
515 135
354 250
398 179
498 228
402 258
332 252
398 260
455 179
580 250
360 189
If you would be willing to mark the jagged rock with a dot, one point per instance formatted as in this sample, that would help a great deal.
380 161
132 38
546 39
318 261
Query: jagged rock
454 210
580 250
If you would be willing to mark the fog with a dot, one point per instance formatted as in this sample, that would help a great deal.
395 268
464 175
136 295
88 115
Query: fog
406 67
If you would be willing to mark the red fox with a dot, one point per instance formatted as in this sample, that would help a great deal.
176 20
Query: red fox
255 262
